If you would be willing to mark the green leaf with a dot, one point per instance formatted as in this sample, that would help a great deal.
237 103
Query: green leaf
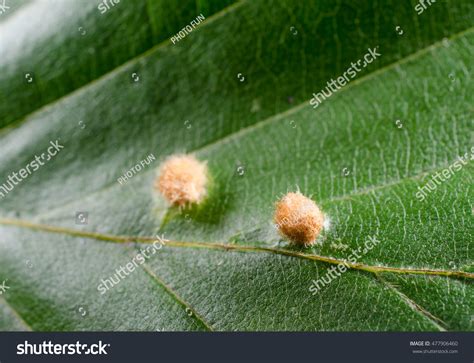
61 45
235 92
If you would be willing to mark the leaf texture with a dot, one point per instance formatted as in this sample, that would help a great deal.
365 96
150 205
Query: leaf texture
235 92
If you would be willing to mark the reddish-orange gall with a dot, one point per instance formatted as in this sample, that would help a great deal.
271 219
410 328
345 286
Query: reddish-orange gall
182 180
299 219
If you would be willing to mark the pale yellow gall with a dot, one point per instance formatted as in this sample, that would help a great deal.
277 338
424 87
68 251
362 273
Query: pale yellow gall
299 219
182 180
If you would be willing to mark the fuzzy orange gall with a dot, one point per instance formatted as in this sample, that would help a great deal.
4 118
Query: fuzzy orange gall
299 219
182 180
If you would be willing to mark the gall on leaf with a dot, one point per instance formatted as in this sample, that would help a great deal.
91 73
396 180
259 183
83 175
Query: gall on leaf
182 180
299 219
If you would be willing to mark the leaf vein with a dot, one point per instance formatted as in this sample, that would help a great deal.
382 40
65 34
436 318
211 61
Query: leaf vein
239 248
440 324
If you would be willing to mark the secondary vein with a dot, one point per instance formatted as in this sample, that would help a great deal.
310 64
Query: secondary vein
440 324
175 296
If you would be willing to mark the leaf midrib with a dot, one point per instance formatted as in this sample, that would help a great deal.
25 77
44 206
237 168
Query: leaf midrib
147 270
374 270
240 248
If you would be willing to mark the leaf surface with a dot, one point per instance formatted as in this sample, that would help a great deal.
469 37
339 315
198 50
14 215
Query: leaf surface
225 267
54 47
